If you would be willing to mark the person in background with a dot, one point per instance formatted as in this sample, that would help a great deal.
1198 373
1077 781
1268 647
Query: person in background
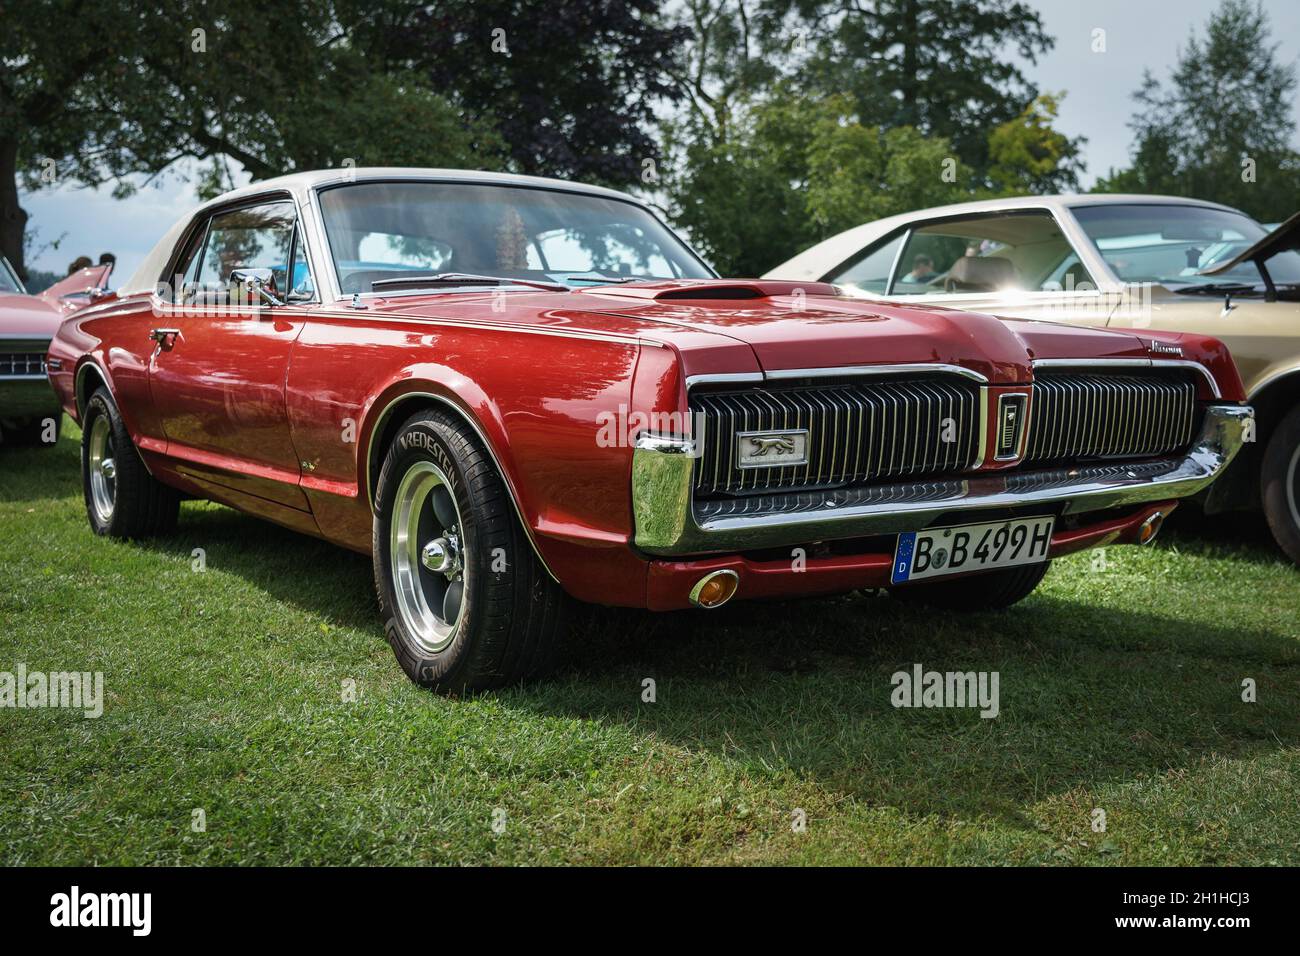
922 269
79 263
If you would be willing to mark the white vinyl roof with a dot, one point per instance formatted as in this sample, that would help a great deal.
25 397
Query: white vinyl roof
814 261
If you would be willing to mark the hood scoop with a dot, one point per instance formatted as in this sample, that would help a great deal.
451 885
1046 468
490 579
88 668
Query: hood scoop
712 290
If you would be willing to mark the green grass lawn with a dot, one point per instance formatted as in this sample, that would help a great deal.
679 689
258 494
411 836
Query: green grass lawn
1120 690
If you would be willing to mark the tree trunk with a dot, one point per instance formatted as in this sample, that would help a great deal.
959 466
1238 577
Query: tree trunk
13 220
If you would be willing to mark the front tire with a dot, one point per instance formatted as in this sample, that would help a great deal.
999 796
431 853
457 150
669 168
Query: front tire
122 499
466 604
1279 484
989 591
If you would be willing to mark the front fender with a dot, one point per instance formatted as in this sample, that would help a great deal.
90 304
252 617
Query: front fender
536 402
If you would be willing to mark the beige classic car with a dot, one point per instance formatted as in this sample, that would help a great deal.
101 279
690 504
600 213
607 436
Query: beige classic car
1123 261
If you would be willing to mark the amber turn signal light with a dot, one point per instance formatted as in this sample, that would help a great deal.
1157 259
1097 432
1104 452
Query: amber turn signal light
715 589
1150 528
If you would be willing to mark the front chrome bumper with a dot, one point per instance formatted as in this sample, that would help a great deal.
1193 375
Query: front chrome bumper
669 521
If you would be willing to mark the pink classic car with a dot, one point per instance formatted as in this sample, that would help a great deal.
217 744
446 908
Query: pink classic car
29 409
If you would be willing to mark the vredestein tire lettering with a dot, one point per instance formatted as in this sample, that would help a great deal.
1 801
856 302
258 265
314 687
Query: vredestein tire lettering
497 641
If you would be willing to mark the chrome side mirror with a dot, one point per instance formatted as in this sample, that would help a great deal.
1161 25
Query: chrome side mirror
257 282
94 293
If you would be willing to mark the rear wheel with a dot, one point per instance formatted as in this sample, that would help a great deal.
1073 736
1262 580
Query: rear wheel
467 606
978 592
122 499
1280 484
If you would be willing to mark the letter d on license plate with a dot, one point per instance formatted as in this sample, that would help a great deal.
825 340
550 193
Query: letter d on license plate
971 547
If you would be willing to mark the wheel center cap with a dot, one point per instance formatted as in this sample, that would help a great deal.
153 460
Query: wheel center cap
108 468
441 555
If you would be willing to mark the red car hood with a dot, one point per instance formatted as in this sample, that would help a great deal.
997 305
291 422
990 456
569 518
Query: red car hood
27 315
769 325
793 325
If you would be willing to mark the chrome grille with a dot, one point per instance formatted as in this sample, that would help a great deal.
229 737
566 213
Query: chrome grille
21 364
856 432
1082 415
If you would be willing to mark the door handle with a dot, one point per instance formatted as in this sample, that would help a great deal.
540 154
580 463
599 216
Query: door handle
162 335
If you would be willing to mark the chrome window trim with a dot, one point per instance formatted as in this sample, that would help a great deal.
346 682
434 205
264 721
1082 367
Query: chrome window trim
1105 364
204 217
892 279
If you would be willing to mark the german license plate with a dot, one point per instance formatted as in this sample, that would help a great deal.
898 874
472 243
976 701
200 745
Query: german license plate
971 547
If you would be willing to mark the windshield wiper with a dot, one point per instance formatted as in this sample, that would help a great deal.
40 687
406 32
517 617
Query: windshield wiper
461 278
1215 288
604 280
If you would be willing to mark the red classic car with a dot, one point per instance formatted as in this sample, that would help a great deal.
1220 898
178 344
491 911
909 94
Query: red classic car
514 391
29 411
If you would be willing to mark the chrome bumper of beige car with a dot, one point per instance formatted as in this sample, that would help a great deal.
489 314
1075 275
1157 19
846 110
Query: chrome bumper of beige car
670 522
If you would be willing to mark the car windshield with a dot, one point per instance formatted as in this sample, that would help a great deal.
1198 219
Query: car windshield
393 230
1171 244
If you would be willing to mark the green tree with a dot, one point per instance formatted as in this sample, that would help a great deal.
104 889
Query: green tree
1027 155
728 66
859 173
1222 129
96 92
52 58
798 170
572 84
939 66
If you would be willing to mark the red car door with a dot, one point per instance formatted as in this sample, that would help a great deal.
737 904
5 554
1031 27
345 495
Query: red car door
218 372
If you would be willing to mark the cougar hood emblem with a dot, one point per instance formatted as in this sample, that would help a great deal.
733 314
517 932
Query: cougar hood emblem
772 449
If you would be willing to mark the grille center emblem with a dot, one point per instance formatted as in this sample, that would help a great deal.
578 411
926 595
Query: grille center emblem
772 449
1011 414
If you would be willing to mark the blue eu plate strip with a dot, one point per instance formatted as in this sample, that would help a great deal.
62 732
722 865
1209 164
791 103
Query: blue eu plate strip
903 557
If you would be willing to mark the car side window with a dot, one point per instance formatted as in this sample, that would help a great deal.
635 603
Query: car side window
870 271
254 237
995 252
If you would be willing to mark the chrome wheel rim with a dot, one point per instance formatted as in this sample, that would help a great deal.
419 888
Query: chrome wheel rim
103 470
428 558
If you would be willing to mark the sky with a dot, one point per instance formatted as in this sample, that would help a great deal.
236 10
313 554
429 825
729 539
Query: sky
1140 35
